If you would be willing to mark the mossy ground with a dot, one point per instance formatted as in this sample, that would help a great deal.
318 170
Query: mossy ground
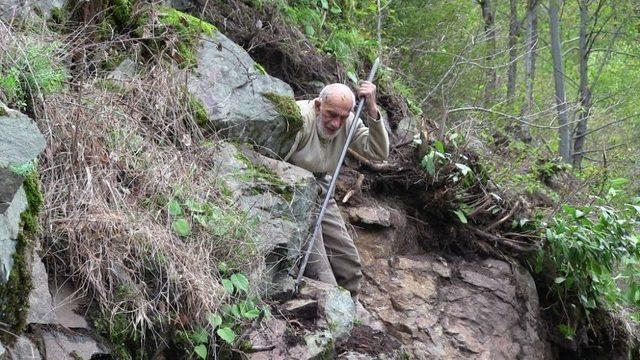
15 293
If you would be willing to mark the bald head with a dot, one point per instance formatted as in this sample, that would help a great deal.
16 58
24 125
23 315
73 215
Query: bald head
333 106
338 95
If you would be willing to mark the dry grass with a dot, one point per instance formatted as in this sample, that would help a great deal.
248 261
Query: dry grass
117 152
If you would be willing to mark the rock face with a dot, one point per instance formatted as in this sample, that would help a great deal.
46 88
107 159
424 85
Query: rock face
319 324
22 9
453 310
20 144
240 99
279 194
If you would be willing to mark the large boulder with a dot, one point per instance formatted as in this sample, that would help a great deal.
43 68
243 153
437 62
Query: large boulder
321 323
280 195
20 144
240 99
457 309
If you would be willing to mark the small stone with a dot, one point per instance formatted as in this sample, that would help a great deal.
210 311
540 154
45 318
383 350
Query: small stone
301 308
370 215
40 302
61 346
66 302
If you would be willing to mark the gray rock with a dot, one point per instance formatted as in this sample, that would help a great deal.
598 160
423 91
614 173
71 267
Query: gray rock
301 308
489 312
9 184
41 310
28 9
281 197
20 139
66 303
9 230
336 307
24 349
232 89
125 71
63 346
319 345
370 215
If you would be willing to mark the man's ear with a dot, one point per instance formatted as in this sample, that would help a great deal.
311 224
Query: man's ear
316 105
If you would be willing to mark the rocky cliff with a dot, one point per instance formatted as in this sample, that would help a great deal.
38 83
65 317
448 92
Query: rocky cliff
167 233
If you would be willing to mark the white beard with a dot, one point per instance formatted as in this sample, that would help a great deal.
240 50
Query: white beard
322 132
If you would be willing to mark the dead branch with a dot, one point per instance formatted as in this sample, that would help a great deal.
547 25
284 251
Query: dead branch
501 221
356 188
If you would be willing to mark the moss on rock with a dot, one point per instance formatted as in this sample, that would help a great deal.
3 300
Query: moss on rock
14 295
264 178
188 29
198 110
286 106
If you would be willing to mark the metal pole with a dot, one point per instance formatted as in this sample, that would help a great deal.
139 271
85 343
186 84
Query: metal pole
332 185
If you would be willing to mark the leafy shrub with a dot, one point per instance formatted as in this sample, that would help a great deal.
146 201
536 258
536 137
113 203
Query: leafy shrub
595 252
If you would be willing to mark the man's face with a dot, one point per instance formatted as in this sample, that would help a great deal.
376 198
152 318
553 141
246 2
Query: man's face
332 115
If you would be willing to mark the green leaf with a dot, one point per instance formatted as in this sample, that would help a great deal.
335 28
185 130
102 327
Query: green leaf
618 182
325 4
181 227
194 207
335 9
559 280
251 314
567 331
235 311
174 208
461 216
226 334
215 320
223 267
309 30
240 282
439 145
201 351
428 165
200 336
228 285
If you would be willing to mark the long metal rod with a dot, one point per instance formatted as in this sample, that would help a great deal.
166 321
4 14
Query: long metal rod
334 178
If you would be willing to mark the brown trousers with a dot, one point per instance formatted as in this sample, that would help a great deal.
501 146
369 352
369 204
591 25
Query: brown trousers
334 258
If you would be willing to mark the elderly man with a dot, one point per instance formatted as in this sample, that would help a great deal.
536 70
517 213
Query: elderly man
334 258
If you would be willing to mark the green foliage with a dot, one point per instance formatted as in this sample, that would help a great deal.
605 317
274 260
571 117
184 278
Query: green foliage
29 73
592 249
219 219
341 29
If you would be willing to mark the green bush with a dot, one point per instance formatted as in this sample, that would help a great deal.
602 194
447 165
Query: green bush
595 252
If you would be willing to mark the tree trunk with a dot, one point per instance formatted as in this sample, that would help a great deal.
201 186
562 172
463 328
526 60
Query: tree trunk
531 44
585 91
513 51
490 38
558 75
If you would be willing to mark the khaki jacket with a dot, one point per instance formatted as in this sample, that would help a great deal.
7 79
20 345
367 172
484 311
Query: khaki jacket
319 156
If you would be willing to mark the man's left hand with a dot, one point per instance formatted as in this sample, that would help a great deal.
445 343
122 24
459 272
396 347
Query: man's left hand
367 91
